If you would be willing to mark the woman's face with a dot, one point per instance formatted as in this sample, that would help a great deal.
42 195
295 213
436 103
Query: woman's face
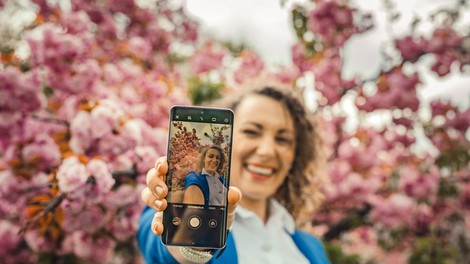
264 146
212 161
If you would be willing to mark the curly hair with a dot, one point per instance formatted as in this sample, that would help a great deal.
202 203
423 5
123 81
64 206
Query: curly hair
300 193
203 156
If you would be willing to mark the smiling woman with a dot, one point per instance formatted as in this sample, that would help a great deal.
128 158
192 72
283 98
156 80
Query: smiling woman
275 172
206 186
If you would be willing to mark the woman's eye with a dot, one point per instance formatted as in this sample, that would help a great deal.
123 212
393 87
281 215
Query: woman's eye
250 132
284 140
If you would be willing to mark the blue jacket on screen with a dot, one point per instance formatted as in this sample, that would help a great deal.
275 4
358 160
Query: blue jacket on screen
200 180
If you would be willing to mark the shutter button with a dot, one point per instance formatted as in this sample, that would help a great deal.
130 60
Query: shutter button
194 222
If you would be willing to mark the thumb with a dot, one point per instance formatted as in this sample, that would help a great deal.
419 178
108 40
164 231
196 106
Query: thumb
234 196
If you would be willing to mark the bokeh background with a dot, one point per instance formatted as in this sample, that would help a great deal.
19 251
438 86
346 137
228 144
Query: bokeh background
85 89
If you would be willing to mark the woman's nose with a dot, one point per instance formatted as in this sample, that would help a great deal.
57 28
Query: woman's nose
266 147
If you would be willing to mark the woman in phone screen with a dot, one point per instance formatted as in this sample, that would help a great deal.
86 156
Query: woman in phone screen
206 186
275 176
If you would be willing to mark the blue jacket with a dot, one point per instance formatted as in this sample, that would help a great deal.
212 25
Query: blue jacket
154 251
200 180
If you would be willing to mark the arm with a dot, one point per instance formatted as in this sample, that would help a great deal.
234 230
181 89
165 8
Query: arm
151 246
193 195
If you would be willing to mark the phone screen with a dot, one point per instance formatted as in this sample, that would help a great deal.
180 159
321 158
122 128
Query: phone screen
199 154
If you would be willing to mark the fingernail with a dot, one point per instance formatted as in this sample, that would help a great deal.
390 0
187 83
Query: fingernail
158 203
158 167
159 190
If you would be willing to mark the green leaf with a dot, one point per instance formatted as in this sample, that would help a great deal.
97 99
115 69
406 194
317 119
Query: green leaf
336 255
200 92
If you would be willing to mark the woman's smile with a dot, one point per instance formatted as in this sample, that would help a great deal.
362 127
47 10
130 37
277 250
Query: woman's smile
264 146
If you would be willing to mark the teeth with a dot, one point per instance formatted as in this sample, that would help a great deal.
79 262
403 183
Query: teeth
260 170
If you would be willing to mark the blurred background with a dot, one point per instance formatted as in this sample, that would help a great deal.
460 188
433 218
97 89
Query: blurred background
85 89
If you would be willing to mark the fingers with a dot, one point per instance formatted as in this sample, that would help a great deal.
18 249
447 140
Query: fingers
156 191
157 226
234 197
156 178
156 175
156 203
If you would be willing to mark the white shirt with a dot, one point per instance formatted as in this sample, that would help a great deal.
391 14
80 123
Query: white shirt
271 243
216 188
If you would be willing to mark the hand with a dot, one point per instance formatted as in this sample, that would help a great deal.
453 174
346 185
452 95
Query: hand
154 195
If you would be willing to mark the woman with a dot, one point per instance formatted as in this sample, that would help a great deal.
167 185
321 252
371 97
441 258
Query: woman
275 149
206 186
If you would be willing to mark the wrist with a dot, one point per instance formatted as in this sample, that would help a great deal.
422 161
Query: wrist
196 255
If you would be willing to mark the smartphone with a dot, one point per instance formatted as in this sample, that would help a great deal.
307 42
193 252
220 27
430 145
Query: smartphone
198 177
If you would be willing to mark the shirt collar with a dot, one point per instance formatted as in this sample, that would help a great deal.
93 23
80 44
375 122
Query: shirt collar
204 172
278 215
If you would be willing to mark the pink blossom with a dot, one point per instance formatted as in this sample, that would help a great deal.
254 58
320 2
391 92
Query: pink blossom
132 130
461 121
207 58
38 242
103 178
113 145
10 122
332 21
125 223
98 249
338 170
356 187
81 79
55 49
72 175
406 122
112 74
190 31
393 211
20 91
443 39
9 239
123 196
43 151
299 57
80 129
70 108
145 158
424 218
394 90
103 120
465 200
123 6
411 48
140 47
417 184
89 219
76 22
441 108
287 75
328 76
251 66
443 63
152 87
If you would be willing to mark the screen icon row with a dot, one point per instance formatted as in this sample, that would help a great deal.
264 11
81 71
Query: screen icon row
194 222
203 119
